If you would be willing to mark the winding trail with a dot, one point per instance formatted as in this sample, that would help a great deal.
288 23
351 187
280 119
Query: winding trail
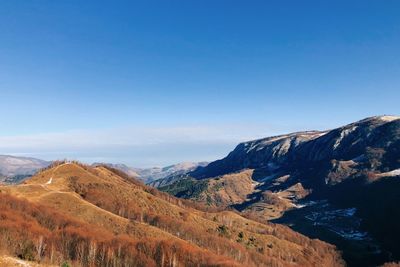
52 174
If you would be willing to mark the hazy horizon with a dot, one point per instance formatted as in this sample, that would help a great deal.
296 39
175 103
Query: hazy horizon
157 83
81 145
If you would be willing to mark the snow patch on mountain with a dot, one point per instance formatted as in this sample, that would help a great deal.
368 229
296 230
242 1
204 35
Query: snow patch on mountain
343 134
282 143
389 118
395 172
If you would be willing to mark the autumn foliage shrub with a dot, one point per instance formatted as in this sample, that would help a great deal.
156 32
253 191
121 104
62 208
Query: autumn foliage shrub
35 232
197 235
249 252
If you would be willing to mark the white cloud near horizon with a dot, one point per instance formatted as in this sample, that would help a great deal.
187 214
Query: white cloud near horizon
140 146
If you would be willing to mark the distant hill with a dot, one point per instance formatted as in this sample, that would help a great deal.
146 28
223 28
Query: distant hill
96 216
15 169
156 176
122 167
163 176
339 185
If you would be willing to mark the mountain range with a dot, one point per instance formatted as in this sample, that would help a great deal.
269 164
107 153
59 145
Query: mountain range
14 169
265 204
338 185
156 176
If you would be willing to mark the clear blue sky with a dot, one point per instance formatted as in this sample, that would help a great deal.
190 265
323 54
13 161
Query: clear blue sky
156 82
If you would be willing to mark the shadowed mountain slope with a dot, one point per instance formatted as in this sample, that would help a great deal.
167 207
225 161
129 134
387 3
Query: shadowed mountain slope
349 174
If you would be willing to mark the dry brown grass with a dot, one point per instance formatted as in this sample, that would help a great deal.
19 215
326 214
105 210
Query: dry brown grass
227 190
100 197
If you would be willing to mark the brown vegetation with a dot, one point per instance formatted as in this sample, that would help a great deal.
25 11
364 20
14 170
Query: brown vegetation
36 232
109 219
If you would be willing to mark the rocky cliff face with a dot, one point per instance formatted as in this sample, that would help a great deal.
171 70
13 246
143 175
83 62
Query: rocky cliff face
263 153
356 145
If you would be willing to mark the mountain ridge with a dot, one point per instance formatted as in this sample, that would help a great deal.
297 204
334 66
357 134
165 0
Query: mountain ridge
351 167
